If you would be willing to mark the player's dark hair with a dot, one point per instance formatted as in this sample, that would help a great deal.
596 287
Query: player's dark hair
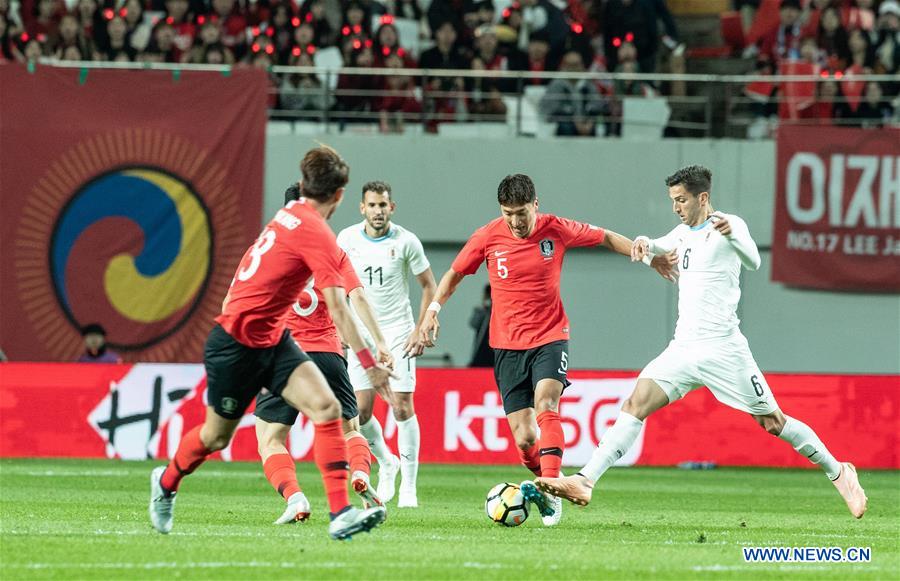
377 186
292 193
516 190
93 328
694 178
324 173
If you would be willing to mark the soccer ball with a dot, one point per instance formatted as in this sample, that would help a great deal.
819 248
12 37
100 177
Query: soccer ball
505 505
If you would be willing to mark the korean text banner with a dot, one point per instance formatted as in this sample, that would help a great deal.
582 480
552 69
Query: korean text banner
837 209
128 199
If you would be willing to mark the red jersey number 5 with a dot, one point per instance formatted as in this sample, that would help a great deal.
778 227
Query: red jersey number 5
502 269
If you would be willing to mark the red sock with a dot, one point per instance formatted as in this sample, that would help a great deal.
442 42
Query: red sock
359 454
531 459
552 443
190 455
282 474
330 452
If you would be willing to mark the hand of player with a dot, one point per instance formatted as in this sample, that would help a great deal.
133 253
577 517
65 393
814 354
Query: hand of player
384 356
666 265
413 347
429 328
379 377
720 223
639 249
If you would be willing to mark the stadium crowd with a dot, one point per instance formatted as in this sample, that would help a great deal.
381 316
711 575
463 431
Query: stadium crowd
837 39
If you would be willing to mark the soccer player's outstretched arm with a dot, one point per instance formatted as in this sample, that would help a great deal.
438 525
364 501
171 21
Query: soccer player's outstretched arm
343 320
363 307
737 234
663 263
429 325
414 346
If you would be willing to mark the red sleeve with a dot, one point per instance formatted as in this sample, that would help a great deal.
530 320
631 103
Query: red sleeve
575 234
320 252
472 254
351 280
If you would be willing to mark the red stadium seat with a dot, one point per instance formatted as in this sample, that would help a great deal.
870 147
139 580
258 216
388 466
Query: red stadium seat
732 30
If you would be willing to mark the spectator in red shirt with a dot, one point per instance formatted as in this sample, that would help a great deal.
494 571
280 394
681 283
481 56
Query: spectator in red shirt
355 92
784 41
398 105
387 41
233 25
45 18
539 56
179 16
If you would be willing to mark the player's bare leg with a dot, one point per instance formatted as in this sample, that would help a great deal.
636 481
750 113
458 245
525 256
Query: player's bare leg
408 446
280 470
308 392
646 398
193 450
807 443
370 427
359 455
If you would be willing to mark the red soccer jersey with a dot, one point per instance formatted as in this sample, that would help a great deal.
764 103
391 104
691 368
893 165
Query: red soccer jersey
524 274
295 245
310 323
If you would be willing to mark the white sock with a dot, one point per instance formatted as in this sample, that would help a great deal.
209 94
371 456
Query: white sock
616 441
807 443
408 443
371 430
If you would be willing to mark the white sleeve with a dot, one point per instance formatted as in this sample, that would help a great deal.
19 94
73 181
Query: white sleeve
415 255
667 243
342 240
743 243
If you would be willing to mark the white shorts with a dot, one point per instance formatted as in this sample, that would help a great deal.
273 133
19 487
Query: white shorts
724 365
405 369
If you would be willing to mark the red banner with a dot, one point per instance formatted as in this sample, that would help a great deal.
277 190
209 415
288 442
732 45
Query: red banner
128 200
140 411
837 209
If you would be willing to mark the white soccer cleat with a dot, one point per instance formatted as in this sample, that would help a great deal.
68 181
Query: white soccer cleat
387 479
854 495
297 510
553 519
408 499
161 506
362 487
354 520
545 504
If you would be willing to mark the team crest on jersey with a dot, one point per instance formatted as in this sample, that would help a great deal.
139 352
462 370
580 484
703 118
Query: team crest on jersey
393 253
547 247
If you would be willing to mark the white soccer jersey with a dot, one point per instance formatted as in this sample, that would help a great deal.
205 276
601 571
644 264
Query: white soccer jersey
709 275
384 266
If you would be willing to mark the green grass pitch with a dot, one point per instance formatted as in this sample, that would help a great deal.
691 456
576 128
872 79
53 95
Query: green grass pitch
75 519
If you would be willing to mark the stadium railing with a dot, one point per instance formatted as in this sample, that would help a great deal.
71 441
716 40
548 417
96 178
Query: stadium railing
696 105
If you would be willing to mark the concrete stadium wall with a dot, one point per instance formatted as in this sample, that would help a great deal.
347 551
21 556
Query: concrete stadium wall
622 314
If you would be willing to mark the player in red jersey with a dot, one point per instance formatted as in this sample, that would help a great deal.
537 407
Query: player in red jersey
313 328
529 330
250 348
